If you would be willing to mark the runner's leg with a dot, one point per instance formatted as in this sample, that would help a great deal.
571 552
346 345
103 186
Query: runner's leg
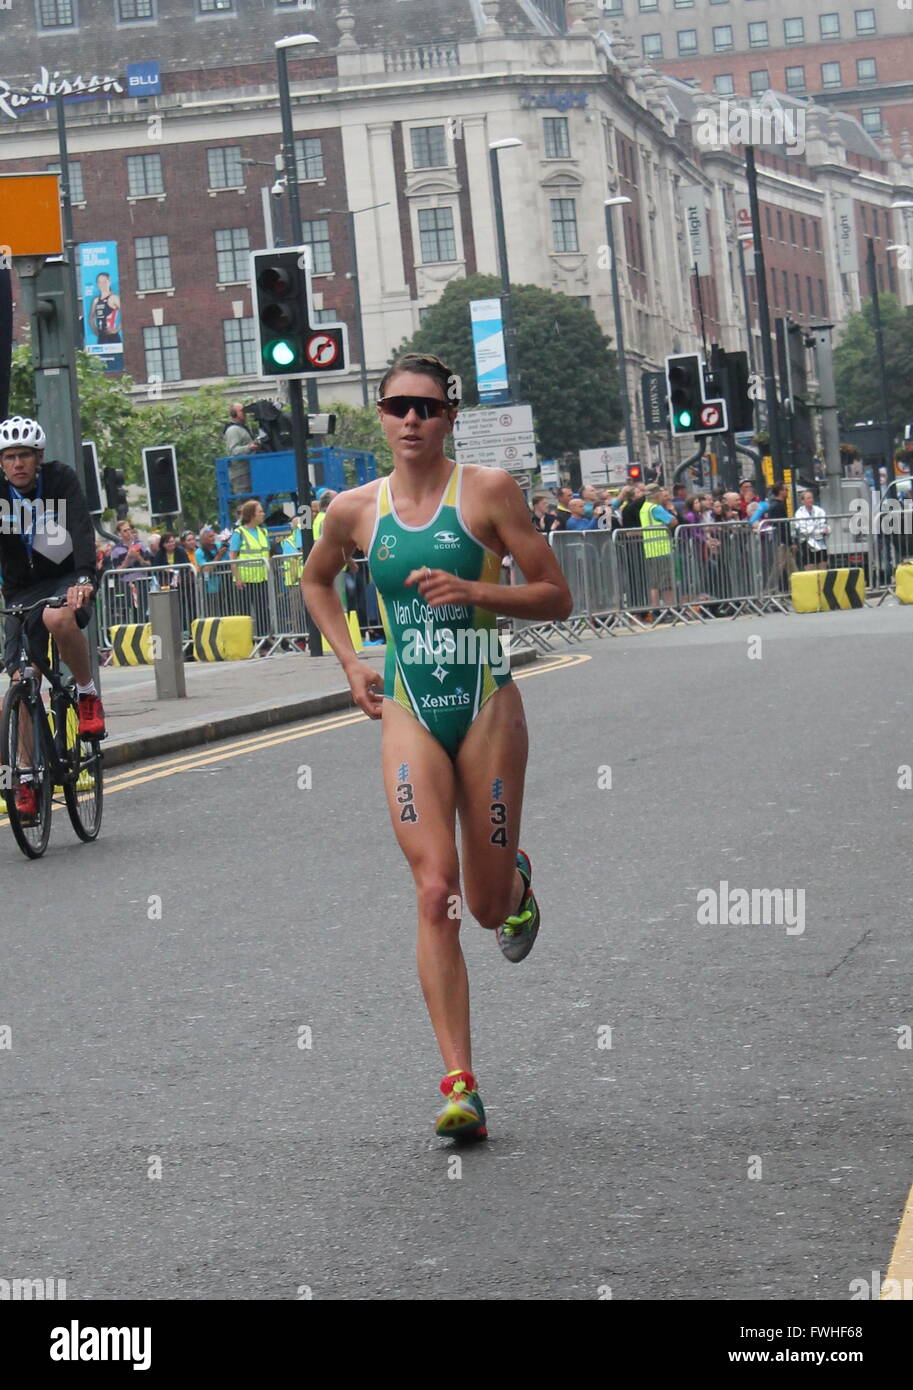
491 770
420 786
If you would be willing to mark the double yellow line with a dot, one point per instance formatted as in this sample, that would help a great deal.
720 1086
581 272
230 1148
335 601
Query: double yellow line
187 762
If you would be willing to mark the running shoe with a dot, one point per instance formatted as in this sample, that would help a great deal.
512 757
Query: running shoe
91 717
463 1116
27 803
517 935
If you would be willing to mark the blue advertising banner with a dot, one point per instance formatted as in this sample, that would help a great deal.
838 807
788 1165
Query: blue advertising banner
143 79
100 293
490 355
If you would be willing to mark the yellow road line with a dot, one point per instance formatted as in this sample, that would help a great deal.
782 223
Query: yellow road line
271 738
901 1266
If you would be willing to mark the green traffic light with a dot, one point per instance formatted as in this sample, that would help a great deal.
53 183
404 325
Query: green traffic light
684 420
280 353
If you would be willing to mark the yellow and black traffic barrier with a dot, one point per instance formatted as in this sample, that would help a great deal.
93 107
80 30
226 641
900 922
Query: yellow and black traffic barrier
903 582
222 639
817 591
355 632
130 644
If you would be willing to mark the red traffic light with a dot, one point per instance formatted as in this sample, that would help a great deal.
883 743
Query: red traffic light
635 473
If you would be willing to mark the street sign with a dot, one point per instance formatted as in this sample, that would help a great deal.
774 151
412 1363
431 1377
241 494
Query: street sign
549 472
653 392
609 465
496 437
31 215
522 480
322 350
711 417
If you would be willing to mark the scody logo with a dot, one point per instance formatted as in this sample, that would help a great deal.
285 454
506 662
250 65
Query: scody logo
446 540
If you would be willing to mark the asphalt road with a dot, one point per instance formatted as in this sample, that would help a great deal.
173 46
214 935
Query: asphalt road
747 1134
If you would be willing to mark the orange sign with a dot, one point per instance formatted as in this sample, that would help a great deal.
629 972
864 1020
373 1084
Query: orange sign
30 215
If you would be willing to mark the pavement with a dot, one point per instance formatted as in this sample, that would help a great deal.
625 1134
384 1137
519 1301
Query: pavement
223 699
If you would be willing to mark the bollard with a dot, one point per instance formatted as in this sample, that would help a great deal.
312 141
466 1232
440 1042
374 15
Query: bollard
167 646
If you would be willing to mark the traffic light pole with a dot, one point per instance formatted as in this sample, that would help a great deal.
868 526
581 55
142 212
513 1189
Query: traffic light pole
767 353
297 411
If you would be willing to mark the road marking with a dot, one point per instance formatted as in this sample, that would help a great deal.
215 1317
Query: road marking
901 1266
271 738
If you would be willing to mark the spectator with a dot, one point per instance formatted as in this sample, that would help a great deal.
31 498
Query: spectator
209 555
680 500
129 560
324 496
189 542
630 508
811 528
592 502
747 495
249 550
238 438
563 511
578 520
656 521
544 519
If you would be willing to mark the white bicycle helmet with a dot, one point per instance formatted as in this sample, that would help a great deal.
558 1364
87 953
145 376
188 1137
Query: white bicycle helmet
19 430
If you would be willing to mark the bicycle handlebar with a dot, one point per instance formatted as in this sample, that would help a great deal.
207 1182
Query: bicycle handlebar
17 610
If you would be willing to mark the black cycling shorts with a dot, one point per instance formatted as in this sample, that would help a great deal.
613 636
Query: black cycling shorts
36 631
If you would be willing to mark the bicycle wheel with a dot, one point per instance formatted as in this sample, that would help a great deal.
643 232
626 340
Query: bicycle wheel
83 789
23 725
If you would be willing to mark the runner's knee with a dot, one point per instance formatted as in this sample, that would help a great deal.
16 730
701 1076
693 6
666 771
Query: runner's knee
438 896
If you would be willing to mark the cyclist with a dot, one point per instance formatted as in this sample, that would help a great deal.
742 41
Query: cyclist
454 734
47 548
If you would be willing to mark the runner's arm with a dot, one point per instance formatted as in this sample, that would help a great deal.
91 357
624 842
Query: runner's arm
545 593
333 548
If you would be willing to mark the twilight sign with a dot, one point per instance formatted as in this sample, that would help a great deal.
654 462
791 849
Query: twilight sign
48 87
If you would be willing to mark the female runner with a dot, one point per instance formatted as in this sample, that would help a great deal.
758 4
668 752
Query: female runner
454 737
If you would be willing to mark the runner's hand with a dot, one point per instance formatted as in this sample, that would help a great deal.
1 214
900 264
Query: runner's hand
437 586
79 595
363 682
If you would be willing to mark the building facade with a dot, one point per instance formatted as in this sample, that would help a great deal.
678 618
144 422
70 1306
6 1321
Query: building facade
394 110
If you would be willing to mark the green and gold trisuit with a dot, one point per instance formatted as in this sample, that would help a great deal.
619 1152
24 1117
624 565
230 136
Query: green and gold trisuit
439 660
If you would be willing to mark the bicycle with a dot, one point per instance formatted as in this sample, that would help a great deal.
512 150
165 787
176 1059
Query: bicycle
47 751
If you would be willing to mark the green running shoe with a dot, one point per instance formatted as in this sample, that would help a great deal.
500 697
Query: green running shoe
463 1116
517 935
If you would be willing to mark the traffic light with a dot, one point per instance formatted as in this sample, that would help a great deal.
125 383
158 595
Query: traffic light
279 290
162 488
115 493
90 477
635 473
685 391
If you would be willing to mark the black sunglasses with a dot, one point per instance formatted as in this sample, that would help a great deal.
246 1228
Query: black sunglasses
425 407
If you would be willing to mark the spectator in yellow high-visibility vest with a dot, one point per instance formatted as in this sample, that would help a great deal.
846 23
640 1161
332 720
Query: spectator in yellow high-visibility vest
324 496
249 552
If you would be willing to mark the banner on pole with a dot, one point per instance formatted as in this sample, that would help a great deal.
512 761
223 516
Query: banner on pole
694 212
490 354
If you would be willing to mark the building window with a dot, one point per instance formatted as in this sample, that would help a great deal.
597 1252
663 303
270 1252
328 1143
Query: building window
684 4
865 21
780 236
232 255
144 175
794 30
757 34
429 147
866 70
724 84
760 81
309 159
77 192
722 37
56 14
128 10
436 235
808 295
822 300
557 140
829 26
652 45
214 6
325 316
316 235
786 289
585 300
564 224
153 263
225 167
767 220
240 338
423 313
830 75
795 79
648 4
160 346
792 229
805 239
871 119
816 233
687 41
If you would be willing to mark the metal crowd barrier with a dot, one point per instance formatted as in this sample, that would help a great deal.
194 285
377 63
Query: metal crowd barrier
711 570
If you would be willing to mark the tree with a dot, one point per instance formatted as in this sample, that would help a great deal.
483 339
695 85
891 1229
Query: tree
568 371
856 365
105 403
360 428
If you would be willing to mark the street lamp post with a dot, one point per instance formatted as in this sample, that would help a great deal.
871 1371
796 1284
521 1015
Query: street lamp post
510 337
295 398
611 203
767 355
888 433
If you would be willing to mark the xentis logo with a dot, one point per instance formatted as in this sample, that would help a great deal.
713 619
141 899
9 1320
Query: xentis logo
458 700
446 540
